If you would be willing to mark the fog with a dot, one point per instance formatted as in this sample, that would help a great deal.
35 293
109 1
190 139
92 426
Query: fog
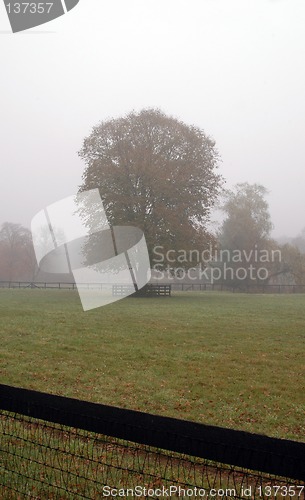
234 68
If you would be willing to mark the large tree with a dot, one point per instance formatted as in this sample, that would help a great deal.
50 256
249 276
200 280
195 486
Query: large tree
154 172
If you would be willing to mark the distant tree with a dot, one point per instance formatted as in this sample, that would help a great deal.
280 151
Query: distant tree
299 241
247 221
154 172
244 237
291 268
17 258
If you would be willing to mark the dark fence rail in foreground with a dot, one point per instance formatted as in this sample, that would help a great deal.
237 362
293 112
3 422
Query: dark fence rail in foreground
160 288
57 447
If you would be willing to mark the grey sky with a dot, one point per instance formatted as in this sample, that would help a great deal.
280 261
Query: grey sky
234 68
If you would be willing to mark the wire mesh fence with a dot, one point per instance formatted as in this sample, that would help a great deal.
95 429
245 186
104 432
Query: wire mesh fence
84 450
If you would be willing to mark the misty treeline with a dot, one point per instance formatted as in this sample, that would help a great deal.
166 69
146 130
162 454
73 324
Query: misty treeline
18 261
248 250
156 173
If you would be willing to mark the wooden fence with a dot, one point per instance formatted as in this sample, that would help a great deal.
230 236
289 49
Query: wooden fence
162 289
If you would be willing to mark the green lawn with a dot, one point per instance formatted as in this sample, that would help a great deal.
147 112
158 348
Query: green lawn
234 360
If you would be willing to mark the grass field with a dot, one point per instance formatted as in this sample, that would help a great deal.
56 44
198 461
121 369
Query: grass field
234 360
